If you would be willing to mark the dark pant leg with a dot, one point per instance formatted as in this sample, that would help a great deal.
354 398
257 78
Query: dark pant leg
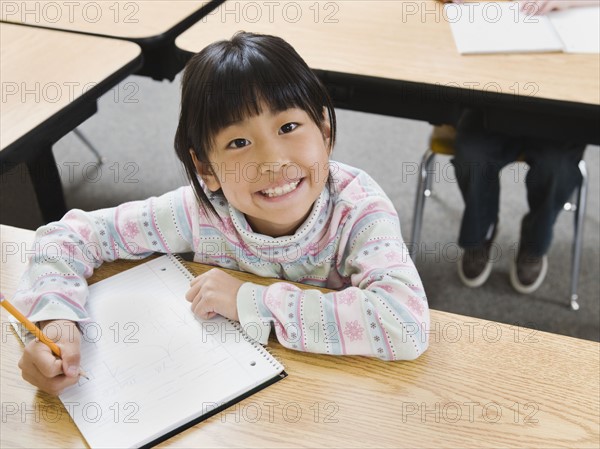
552 177
479 157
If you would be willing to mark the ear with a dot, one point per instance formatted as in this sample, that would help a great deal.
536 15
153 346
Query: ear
206 172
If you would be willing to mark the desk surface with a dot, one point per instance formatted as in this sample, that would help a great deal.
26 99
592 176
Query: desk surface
398 58
123 19
44 72
400 40
480 382
151 24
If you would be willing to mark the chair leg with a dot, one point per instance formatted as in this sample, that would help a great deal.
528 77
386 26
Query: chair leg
578 237
423 191
99 158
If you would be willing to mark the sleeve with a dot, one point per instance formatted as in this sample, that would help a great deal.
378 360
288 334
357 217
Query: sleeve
383 313
66 252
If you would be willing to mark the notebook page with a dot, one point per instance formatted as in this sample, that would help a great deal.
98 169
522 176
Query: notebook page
499 27
154 366
578 28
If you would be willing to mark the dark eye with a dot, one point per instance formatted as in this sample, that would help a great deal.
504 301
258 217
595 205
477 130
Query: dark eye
288 128
238 143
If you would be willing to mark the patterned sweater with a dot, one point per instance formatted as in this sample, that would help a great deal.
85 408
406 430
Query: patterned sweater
350 242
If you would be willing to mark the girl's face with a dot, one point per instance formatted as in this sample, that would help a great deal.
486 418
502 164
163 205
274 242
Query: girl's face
272 167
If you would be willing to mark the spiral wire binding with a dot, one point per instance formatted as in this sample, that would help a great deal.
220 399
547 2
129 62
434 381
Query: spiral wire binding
265 352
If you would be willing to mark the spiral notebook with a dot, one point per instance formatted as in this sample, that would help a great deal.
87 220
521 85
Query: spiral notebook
154 368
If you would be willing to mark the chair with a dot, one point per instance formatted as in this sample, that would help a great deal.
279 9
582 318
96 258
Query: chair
99 158
442 142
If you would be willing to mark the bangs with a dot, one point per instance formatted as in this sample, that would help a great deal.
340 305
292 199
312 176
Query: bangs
246 75
249 92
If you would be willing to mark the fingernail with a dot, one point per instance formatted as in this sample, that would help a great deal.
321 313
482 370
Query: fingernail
72 371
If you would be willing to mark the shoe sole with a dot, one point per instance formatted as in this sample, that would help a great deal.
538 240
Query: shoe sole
527 289
485 274
479 280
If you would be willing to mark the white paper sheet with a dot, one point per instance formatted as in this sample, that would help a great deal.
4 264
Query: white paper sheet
501 27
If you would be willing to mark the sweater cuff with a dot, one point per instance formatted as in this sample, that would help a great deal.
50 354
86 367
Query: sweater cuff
50 307
255 318
58 314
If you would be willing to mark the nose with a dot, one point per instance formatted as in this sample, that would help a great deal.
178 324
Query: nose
272 157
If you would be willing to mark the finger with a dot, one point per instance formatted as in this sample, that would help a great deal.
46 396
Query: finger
67 337
529 6
196 285
70 359
535 8
196 300
192 292
205 315
204 309
54 385
41 357
199 278
544 8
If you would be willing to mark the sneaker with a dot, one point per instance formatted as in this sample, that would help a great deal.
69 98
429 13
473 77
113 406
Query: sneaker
527 272
475 265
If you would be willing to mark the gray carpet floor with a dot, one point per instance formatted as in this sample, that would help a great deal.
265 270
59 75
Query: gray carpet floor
134 131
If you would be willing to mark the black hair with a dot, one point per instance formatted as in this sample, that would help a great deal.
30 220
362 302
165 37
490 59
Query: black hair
229 81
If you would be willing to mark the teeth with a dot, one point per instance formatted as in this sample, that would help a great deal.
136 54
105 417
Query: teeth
281 190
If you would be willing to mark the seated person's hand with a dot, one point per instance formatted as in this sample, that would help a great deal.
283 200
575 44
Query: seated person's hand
40 367
544 6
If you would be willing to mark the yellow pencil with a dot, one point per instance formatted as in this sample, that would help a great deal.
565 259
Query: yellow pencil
36 331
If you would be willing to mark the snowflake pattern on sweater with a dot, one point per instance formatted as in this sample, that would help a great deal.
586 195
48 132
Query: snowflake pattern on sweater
350 242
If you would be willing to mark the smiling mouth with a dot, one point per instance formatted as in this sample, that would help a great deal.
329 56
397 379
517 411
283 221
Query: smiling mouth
280 190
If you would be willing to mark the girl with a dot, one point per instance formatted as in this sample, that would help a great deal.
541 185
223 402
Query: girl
255 133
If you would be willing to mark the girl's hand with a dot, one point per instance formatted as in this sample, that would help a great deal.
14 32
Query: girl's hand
214 292
40 367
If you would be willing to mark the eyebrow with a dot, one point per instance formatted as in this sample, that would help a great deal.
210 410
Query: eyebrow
271 111
232 123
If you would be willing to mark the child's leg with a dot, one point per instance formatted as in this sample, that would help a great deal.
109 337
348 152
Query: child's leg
552 177
479 157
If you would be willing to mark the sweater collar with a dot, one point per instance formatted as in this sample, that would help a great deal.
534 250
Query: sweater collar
285 248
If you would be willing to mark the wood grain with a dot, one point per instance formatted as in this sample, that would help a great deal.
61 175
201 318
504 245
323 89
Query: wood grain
407 40
123 19
44 71
480 383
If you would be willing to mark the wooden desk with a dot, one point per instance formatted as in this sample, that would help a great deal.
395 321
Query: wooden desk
480 384
50 83
399 58
153 25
